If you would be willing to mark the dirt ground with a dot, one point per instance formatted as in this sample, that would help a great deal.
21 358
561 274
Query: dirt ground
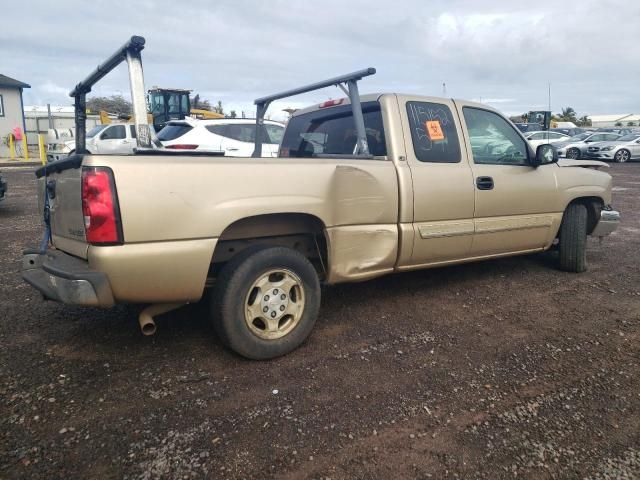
501 369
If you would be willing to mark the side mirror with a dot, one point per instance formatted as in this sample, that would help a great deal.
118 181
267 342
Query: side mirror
545 154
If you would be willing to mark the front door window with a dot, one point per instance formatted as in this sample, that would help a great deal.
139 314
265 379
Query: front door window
493 140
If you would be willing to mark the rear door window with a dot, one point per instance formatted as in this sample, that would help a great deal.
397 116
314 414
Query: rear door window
173 131
133 131
433 132
333 131
243 132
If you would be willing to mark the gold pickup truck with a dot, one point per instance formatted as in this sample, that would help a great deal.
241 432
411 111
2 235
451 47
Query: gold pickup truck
440 182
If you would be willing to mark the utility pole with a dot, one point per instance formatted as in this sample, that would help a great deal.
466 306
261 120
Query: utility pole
444 89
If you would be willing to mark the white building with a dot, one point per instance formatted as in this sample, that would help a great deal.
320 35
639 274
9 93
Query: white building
11 113
62 118
611 120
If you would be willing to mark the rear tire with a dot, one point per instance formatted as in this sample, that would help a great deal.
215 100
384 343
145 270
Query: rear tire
265 302
573 239
622 156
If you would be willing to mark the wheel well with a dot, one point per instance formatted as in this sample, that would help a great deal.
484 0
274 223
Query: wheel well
302 232
594 207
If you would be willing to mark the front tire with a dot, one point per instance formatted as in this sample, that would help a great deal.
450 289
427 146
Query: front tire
266 302
573 154
622 156
573 239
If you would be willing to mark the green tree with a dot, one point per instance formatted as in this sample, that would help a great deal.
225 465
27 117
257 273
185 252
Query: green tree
631 124
199 103
583 121
618 124
114 104
218 108
232 114
568 115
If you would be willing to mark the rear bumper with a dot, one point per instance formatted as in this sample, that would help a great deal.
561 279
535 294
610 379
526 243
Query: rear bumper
63 278
609 221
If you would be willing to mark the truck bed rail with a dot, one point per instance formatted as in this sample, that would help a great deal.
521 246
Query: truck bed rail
351 82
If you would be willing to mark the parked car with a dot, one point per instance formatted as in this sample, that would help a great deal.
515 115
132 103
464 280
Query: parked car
362 187
528 127
569 131
3 188
621 150
618 130
265 233
111 139
576 147
234 137
541 138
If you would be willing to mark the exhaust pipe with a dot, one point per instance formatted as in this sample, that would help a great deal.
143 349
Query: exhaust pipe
147 324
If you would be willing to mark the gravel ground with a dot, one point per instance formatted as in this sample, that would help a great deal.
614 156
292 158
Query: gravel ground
492 370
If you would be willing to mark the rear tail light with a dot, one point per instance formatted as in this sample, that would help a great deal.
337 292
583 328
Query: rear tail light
182 146
332 103
100 207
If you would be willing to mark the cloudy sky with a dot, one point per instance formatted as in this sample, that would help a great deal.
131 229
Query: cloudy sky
504 53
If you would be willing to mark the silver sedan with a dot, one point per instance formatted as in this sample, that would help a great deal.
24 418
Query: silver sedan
621 150
576 146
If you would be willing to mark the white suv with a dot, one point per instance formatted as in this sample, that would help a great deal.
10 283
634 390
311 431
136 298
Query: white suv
233 136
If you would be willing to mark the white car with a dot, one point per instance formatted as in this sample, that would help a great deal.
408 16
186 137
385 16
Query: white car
536 139
233 136
112 139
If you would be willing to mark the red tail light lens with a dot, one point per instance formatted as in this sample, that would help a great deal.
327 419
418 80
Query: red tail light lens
100 207
332 103
182 146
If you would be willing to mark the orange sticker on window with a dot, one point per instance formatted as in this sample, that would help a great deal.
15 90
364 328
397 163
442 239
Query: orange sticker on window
434 130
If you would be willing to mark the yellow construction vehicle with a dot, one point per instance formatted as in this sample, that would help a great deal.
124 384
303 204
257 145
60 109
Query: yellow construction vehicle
165 104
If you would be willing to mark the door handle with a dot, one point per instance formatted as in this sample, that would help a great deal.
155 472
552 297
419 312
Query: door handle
484 183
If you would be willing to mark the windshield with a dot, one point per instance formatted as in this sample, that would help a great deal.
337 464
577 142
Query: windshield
629 138
95 130
579 138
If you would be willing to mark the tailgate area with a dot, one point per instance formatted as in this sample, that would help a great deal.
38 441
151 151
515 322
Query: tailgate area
64 278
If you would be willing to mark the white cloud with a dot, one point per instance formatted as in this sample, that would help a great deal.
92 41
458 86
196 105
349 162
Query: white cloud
239 50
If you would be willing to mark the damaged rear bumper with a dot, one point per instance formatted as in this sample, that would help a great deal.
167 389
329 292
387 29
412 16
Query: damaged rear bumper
64 278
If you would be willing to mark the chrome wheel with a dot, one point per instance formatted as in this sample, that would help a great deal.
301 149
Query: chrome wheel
274 304
622 156
573 153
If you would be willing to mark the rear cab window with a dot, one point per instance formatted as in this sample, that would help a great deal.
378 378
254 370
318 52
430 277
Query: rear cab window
332 131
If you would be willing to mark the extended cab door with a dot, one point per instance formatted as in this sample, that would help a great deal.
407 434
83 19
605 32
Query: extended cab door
516 205
443 192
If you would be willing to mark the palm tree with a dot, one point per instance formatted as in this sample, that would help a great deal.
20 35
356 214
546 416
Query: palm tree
584 121
568 115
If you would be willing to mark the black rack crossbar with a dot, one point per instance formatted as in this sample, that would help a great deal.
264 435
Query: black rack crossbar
350 80
129 52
